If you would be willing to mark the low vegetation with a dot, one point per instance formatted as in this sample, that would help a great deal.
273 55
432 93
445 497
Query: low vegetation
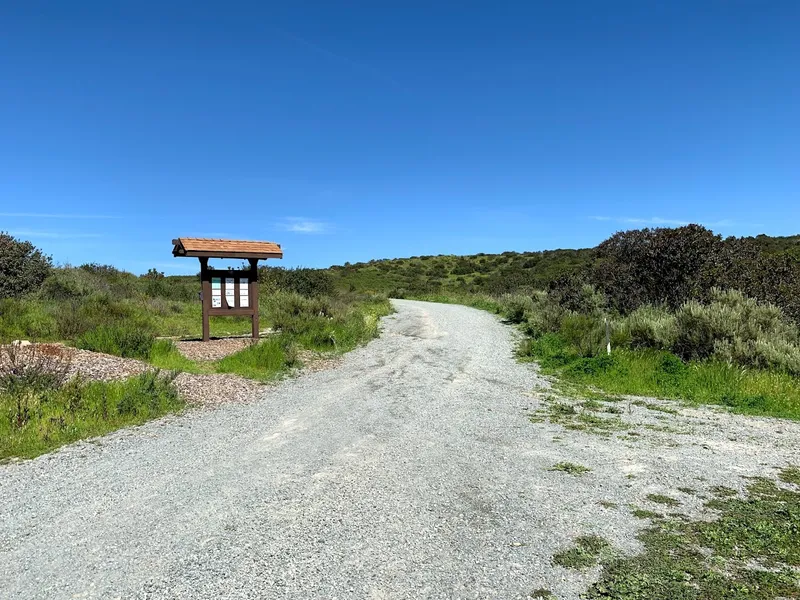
42 409
585 553
570 468
747 551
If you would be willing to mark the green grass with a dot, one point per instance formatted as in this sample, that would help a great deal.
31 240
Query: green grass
641 513
661 374
120 340
790 475
750 550
39 420
164 354
263 361
571 468
662 499
585 553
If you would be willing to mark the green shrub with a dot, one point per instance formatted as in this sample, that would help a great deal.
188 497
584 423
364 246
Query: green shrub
516 307
739 330
650 327
585 333
544 317
292 313
308 282
23 267
121 340
25 318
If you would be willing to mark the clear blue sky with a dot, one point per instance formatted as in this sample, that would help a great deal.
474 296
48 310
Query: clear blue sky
356 130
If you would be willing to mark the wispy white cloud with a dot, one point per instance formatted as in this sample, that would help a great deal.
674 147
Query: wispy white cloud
57 215
673 222
642 221
28 233
304 225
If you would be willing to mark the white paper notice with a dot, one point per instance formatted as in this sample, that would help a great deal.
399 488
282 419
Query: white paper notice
244 291
216 301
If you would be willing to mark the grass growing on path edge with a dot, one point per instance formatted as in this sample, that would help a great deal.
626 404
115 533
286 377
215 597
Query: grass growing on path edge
661 374
39 418
749 551
652 373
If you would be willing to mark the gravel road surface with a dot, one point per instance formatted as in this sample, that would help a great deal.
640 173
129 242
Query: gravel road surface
412 470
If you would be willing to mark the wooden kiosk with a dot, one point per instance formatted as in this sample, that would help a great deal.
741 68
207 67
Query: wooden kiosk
230 292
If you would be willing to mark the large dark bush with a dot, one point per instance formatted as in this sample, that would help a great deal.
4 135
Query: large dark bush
656 266
668 267
23 267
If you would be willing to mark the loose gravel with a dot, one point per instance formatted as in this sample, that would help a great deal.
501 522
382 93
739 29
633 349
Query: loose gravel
412 470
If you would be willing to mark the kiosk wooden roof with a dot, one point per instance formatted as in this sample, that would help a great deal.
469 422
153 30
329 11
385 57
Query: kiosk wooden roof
217 248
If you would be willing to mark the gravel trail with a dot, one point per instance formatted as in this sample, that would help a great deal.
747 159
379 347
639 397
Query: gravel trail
412 470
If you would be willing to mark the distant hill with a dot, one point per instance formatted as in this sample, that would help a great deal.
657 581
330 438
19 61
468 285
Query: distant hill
472 273
491 273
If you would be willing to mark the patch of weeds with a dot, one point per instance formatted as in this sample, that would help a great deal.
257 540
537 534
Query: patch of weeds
661 499
595 424
659 408
641 513
790 474
568 416
541 593
585 553
687 490
561 408
748 552
592 405
677 515
607 504
571 468
722 491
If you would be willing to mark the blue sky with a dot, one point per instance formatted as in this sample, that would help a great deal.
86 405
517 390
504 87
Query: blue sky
354 130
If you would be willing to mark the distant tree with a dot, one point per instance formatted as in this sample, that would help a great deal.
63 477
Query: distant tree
23 267
153 274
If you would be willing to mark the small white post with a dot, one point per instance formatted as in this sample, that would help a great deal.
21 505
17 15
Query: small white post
608 337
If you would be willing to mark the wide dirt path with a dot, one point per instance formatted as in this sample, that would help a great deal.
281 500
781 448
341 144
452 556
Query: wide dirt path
411 470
